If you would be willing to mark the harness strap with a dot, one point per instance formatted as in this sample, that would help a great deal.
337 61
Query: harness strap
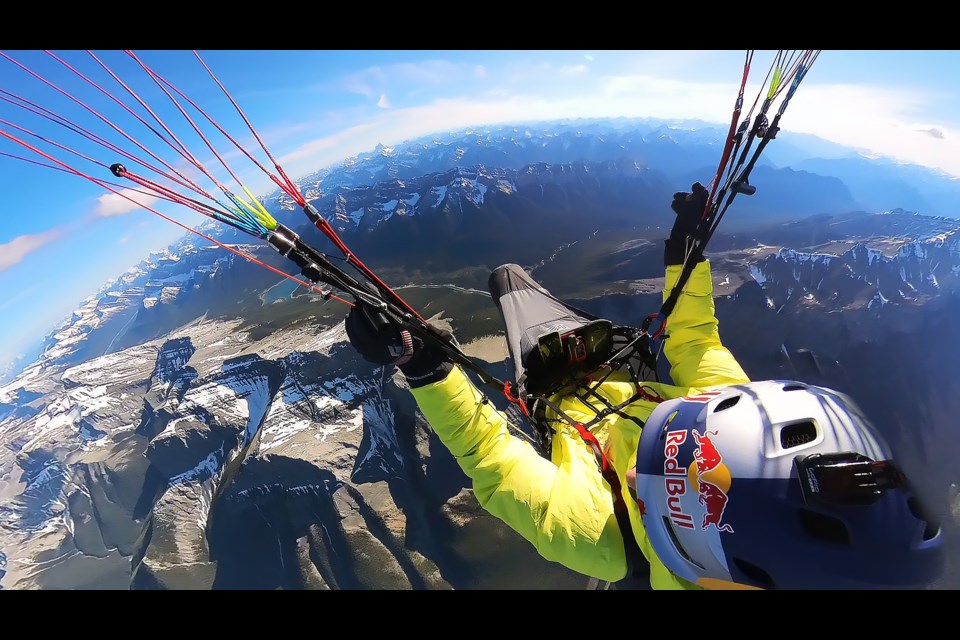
636 561
637 564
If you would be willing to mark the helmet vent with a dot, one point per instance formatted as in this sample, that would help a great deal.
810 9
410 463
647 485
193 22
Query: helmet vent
726 404
757 576
795 386
932 528
676 542
824 527
797 434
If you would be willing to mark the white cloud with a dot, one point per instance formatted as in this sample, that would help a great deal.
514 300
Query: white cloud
20 247
118 204
888 127
383 102
357 85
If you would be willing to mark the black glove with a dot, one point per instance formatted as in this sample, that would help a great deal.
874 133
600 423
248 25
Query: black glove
689 208
383 341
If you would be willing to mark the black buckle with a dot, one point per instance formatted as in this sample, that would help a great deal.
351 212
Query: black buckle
562 357
593 341
845 478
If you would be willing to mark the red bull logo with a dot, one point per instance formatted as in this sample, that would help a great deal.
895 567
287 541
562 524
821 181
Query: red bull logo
707 473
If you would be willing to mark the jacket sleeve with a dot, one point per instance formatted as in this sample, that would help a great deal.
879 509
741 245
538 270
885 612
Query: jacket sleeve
564 507
692 343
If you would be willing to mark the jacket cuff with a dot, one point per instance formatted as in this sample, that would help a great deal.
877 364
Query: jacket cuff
674 251
420 374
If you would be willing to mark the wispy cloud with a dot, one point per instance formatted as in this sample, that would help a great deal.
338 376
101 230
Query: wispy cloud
326 150
20 247
113 204
12 301
373 81
383 102
358 84
933 132
427 71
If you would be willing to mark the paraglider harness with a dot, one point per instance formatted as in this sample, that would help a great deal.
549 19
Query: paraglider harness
575 363
583 358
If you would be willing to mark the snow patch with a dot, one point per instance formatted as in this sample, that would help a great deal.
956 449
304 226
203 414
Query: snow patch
441 194
207 468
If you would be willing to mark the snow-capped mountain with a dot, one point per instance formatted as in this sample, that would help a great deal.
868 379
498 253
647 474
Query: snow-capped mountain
684 151
199 423
877 271
163 278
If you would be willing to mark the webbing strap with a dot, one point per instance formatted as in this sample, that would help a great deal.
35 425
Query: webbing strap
636 562
635 558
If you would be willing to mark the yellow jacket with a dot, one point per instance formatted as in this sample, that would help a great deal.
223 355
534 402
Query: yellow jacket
563 506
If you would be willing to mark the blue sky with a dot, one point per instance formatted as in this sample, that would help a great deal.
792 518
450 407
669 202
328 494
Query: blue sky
63 237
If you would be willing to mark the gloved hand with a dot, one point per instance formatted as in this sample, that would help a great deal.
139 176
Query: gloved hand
689 208
382 341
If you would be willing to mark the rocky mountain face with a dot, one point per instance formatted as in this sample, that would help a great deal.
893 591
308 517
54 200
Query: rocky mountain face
198 424
125 472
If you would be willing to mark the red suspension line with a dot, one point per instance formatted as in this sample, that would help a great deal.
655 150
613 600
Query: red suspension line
289 188
101 117
156 78
89 135
322 224
731 133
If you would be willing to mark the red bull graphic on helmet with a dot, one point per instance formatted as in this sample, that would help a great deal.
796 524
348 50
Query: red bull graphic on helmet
712 479
707 473
706 454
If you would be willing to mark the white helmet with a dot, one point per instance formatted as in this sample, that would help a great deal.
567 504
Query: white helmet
783 485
